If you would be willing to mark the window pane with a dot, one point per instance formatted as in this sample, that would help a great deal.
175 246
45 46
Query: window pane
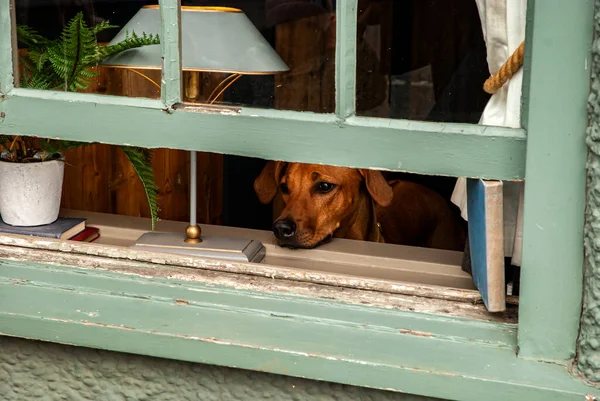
421 60
276 54
50 58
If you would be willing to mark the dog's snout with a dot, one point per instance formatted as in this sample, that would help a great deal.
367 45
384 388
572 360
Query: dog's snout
284 229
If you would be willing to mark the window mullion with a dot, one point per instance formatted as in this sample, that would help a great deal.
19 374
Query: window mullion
556 84
170 42
7 42
345 58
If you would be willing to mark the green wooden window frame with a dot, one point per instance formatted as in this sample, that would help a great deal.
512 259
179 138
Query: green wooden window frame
292 334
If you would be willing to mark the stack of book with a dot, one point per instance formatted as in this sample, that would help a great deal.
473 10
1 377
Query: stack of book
67 228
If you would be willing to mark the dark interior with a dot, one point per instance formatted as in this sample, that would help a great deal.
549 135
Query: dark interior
443 35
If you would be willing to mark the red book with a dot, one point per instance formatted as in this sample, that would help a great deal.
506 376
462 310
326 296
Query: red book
90 234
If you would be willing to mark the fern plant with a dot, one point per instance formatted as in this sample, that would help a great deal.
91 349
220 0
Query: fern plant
65 64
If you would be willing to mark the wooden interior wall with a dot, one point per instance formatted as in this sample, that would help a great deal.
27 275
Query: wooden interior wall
373 64
304 44
99 177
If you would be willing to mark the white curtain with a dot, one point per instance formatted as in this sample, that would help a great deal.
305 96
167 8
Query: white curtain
503 23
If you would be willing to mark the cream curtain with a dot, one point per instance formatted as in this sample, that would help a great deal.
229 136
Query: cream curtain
503 23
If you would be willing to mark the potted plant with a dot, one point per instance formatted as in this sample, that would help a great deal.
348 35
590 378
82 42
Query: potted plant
32 169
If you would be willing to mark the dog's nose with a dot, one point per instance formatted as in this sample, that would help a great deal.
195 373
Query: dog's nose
284 229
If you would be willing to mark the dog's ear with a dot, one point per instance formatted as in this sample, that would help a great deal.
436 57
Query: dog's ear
378 188
267 183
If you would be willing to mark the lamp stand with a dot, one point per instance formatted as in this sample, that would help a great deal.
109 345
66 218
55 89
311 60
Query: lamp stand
233 249
192 87
192 243
193 232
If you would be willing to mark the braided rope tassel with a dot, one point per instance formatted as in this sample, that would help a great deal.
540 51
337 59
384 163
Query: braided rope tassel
508 69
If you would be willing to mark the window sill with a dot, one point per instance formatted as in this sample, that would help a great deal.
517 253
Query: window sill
434 274
401 342
271 325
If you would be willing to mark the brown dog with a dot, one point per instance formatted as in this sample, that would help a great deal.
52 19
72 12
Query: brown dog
322 202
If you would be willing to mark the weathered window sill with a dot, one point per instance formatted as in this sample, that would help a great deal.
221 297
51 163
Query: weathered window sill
397 341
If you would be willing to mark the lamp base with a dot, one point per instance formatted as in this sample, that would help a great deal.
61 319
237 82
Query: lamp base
233 249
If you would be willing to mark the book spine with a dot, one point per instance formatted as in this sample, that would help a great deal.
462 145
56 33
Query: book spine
494 216
93 238
86 233
486 240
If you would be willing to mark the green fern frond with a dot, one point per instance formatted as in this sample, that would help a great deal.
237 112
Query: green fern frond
89 73
67 56
38 78
102 26
42 80
141 160
71 56
34 59
27 65
39 58
30 38
130 42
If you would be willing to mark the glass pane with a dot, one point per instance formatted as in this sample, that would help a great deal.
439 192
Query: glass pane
64 45
421 60
276 54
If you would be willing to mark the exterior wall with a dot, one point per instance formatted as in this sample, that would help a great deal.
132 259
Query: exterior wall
39 370
588 361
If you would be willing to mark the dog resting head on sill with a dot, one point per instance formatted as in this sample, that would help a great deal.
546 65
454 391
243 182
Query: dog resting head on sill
322 202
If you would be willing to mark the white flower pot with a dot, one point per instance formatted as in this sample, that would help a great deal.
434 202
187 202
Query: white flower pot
30 192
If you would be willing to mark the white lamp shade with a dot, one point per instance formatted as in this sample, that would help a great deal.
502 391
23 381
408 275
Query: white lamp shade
216 39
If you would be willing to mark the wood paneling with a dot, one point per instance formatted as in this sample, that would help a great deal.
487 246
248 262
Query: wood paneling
87 179
306 46
99 177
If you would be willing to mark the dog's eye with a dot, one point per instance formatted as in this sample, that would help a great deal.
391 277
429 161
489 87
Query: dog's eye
284 189
325 187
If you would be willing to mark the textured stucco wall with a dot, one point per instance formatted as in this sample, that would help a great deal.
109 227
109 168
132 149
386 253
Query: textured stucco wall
33 370
588 360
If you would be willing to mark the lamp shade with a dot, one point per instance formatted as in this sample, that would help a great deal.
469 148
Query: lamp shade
219 39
